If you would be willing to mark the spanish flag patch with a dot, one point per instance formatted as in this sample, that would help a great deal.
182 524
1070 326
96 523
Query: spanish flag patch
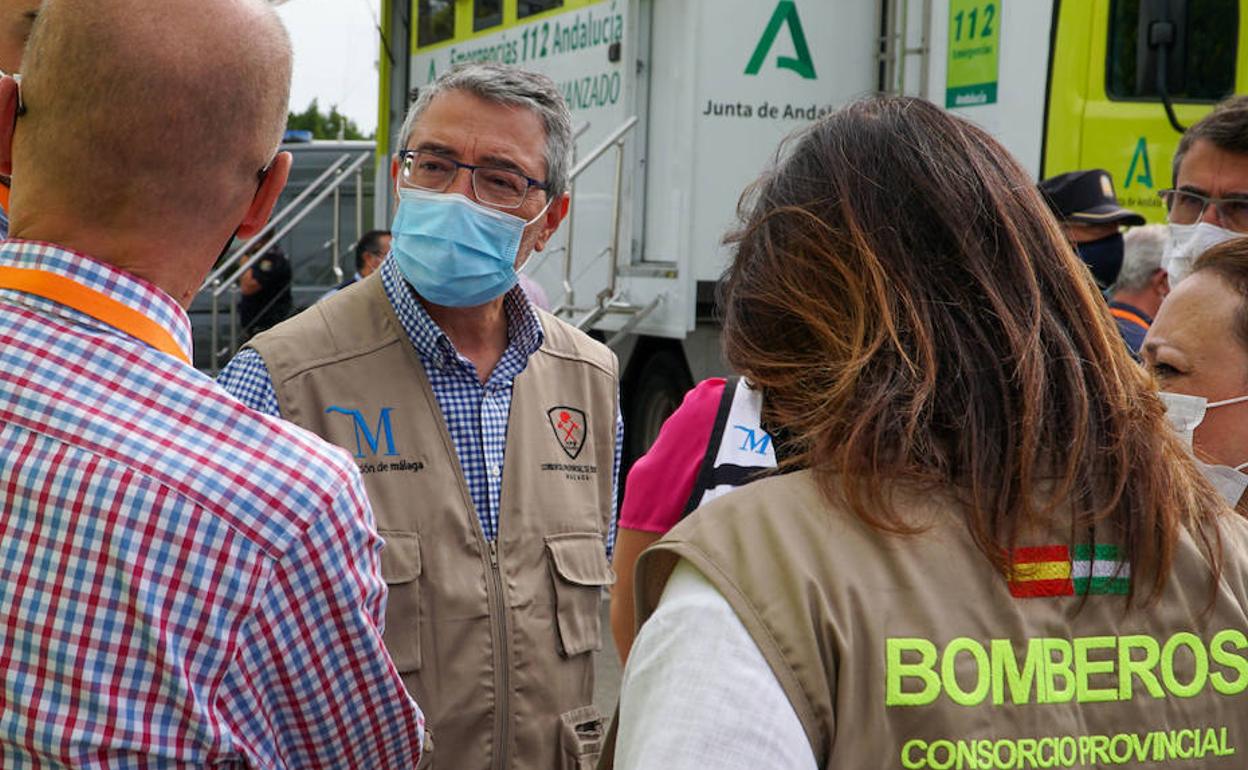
1050 570
1041 571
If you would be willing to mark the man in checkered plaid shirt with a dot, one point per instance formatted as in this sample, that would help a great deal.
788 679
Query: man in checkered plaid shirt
183 582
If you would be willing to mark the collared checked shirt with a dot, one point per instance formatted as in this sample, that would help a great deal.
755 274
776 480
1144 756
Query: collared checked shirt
183 582
476 414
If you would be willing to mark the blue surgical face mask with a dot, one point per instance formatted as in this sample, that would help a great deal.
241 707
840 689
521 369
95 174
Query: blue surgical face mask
454 251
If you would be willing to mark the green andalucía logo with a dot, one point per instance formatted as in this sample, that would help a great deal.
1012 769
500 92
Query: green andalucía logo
784 15
1139 160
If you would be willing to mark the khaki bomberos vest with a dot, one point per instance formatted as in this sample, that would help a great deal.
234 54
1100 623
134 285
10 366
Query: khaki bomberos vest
493 640
912 652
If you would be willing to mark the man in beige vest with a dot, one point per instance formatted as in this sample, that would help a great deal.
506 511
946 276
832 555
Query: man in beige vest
487 431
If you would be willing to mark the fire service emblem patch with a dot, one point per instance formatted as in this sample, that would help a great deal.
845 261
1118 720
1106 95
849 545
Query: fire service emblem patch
569 426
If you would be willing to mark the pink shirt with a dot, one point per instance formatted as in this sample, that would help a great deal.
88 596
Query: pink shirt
661 481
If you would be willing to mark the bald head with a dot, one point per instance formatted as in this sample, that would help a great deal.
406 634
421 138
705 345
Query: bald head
144 114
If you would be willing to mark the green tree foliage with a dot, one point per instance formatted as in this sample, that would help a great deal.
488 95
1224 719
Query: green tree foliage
324 126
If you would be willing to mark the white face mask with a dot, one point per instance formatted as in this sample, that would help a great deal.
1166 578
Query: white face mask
1187 242
1228 481
1186 412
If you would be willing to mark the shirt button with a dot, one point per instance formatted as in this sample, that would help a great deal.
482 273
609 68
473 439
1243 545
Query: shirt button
494 471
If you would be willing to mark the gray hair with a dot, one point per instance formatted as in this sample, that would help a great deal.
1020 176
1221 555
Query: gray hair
513 87
1142 250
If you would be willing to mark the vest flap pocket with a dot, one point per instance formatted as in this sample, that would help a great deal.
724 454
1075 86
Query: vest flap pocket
400 566
400 558
581 558
581 734
579 570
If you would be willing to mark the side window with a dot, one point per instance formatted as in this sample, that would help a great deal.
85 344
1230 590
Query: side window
435 21
1201 63
486 14
529 7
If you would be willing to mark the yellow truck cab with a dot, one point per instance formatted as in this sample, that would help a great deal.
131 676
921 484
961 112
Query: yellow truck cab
1105 107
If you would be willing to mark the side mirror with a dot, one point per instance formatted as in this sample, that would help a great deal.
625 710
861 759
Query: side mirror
1161 52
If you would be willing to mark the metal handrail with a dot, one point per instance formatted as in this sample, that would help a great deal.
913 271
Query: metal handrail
286 228
225 276
614 139
895 49
242 248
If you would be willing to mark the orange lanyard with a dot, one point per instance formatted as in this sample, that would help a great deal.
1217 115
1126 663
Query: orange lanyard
1127 315
91 302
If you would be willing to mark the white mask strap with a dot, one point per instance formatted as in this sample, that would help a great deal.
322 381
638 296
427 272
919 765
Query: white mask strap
1226 402
1241 467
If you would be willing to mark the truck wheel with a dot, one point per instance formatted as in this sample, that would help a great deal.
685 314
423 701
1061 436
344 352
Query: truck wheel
657 391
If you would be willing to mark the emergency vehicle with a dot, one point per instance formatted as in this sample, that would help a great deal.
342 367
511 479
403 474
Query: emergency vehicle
679 104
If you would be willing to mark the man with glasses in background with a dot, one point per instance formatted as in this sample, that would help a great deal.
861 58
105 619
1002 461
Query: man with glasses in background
487 432
1209 201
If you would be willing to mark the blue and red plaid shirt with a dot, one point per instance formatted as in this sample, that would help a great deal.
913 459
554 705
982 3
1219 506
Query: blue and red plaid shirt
183 582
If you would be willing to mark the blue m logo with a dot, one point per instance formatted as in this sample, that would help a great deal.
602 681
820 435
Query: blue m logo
753 441
370 436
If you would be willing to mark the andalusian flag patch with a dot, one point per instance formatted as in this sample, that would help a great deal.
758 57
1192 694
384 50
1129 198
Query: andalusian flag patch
1100 572
1050 570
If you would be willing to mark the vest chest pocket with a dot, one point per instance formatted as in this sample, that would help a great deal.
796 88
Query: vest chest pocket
400 568
579 570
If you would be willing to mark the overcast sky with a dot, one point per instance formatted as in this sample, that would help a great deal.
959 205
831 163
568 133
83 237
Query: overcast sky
335 56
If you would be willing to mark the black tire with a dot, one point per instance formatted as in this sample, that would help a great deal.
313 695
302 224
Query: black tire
657 390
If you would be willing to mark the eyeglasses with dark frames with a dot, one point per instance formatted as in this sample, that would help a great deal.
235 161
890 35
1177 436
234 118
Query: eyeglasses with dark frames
499 187
1185 207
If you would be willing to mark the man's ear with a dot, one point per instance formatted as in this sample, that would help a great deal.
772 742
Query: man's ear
10 97
271 187
555 215
1160 281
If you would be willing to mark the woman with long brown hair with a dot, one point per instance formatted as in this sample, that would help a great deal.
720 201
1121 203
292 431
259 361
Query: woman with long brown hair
996 552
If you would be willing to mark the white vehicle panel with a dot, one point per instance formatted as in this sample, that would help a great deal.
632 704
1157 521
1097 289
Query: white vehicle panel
755 72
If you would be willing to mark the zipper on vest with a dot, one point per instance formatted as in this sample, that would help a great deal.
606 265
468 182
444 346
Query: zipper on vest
502 677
